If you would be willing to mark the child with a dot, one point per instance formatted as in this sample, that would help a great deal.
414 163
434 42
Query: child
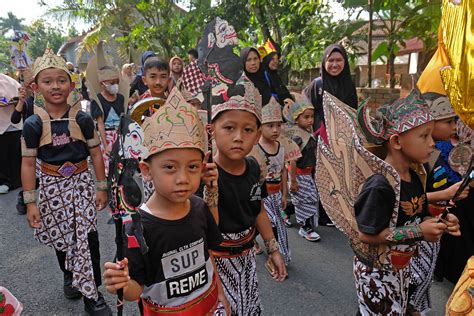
235 127
273 154
176 69
439 192
303 191
404 128
178 274
156 76
62 137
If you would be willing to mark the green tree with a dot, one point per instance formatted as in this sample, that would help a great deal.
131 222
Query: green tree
42 34
11 22
5 55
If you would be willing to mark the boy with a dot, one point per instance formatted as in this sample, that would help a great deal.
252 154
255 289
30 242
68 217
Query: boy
303 191
177 275
62 137
156 76
235 128
404 128
272 155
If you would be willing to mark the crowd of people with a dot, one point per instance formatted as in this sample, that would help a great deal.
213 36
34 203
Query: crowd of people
201 214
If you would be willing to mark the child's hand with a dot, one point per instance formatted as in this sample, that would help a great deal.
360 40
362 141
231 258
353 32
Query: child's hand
21 94
453 225
209 173
451 191
294 186
100 200
33 215
116 276
432 230
223 299
283 202
280 273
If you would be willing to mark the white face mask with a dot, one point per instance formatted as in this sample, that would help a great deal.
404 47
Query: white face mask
113 88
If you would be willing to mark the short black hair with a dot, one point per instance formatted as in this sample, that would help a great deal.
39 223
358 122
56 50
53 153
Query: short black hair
220 113
193 52
154 62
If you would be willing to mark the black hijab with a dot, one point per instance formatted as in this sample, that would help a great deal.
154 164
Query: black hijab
257 78
276 84
340 86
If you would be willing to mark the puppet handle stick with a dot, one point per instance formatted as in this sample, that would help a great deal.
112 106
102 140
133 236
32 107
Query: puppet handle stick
119 257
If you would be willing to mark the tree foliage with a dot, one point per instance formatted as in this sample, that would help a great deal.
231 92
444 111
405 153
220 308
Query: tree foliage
42 34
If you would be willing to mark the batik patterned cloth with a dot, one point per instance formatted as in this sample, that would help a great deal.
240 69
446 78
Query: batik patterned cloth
148 189
306 200
422 269
239 279
381 292
111 137
274 210
67 209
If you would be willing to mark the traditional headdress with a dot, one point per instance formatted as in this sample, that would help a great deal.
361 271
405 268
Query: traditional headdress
292 110
105 69
174 125
267 49
392 119
49 60
432 87
271 112
243 96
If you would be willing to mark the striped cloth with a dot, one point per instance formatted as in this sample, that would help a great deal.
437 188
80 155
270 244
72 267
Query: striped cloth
306 200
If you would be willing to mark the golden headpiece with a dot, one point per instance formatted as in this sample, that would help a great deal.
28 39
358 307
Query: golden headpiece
271 112
175 125
266 49
49 60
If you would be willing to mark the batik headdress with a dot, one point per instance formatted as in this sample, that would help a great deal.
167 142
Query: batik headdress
49 60
271 112
393 119
292 110
266 49
175 125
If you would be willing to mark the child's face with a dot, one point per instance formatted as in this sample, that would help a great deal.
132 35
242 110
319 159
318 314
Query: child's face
235 133
417 144
176 173
55 85
176 66
305 120
156 80
444 129
271 131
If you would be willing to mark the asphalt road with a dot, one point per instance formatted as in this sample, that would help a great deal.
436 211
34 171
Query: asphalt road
320 276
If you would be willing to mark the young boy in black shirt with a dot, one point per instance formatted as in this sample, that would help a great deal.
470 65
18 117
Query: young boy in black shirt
178 274
404 128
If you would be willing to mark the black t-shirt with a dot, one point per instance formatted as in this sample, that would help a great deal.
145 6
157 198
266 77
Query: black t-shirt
308 154
374 206
63 148
177 267
27 111
116 105
240 197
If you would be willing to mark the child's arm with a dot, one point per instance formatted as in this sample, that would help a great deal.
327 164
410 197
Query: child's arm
447 194
16 115
116 277
221 296
264 227
294 183
429 230
101 190
101 128
284 187
28 180
211 193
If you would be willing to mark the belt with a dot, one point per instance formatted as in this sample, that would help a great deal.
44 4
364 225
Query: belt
304 171
235 248
204 304
66 170
273 188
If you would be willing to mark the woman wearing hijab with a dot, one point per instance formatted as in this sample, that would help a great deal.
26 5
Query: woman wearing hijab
138 84
253 70
270 66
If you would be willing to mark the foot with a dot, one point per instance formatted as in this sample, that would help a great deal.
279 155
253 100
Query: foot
309 234
327 223
287 221
70 292
257 248
4 189
97 308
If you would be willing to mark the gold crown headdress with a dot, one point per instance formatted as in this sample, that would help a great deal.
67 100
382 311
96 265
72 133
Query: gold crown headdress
266 49
49 60
271 112
175 125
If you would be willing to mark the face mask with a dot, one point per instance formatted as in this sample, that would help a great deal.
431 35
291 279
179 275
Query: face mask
113 88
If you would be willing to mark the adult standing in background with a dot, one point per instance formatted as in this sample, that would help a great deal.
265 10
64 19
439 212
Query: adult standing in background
253 70
138 84
270 65
192 54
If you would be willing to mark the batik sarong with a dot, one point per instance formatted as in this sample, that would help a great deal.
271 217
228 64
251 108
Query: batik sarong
381 292
239 279
111 137
68 214
274 209
306 200
422 269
